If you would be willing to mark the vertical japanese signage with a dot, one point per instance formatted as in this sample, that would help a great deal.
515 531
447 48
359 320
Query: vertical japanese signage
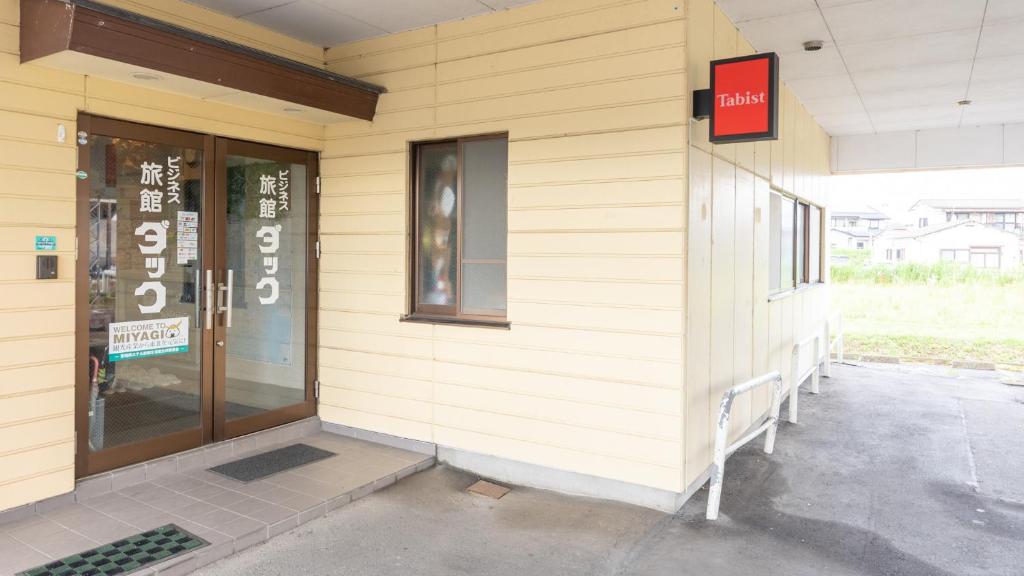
156 181
744 94
274 201
159 188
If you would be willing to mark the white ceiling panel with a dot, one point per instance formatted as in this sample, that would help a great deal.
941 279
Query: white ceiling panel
895 64
240 7
314 23
785 33
993 112
952 46
743 10
333 22
830 3
1002 11
855 123
946 95
836 105
796 65
504 4
912 77
880 19
398 15
1006 89
924 116
823 87
1002 39
899 125
999 68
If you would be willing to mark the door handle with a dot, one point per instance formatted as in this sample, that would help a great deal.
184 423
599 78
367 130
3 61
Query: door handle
197 301
209 299
231 303
226 290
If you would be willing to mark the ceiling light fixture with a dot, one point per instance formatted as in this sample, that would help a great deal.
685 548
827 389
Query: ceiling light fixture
813 45
293 110
146 76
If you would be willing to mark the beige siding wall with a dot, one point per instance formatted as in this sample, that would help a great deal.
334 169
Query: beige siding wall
37 196
733 331
589 378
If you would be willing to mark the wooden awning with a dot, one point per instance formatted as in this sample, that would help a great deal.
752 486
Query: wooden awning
54 27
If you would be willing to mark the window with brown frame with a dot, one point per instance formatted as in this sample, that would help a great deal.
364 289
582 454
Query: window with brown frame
460 228
794 243
814 244
801 243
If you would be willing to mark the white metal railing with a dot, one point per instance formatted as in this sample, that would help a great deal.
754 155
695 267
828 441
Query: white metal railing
723 449
797 378
833 327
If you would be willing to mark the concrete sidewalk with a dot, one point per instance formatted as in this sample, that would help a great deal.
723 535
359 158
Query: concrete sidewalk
902 470
229 514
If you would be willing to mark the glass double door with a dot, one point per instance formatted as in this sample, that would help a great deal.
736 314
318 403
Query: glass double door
196 292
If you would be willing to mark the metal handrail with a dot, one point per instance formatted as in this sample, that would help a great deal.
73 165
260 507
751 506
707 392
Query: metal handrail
834 325
723 449
797 378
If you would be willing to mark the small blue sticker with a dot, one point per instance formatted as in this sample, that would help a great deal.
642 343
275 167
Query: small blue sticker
81 174
46 243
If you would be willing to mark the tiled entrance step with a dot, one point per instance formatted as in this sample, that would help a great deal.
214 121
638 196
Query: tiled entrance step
229 514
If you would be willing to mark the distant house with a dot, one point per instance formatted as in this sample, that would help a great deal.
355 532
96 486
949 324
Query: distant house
856 229
850 238
964 242
1003 214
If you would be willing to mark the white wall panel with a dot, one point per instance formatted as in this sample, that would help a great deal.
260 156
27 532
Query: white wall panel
965 147
955 147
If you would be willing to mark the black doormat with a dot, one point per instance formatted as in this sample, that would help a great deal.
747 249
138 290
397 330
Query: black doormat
125 555
268 463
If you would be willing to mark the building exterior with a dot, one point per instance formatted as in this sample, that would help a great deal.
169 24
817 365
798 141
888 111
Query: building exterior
300 248
850 239
868 218
964 242
1003 214
856 229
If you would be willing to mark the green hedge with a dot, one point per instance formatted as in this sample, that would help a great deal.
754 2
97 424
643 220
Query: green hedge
942 273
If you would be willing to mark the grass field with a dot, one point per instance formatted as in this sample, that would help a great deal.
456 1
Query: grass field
973 322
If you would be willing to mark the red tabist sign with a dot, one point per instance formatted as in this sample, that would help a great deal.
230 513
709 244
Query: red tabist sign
744 92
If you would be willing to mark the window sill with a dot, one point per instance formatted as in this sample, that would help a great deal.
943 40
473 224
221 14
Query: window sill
423 319
794 291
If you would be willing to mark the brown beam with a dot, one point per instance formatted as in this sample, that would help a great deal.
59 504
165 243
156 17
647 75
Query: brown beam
52 26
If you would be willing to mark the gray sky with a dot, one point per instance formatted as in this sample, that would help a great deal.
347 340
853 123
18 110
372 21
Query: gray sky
894 192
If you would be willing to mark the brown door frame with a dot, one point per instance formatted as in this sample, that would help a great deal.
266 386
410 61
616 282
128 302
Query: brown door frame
224 428
87 463
212 426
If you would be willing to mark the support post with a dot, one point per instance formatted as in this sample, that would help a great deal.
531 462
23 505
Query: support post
718 457
815 376
773 416
794 384
827 368
839 342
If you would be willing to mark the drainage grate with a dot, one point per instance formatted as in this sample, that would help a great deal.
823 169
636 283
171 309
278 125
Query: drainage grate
123 556
268 463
